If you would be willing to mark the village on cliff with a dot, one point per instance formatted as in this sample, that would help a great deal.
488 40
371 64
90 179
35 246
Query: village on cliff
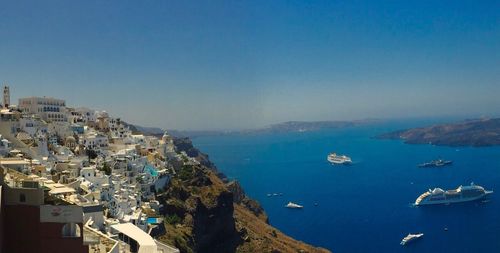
74 179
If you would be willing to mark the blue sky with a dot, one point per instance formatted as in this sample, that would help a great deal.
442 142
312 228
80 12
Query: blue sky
244 64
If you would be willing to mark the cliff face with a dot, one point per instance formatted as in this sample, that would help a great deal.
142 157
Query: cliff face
475 133
205 214
185 144
199 213
240 198
214 227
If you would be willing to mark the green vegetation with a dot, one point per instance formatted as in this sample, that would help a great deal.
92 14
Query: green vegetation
106 168
186 172
177 203
173 219
92 154
182 245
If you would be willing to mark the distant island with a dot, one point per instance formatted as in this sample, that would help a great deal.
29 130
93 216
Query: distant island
307 126
475 133
284 127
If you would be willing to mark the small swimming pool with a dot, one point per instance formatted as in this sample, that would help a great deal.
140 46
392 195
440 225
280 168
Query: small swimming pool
152 170
152 220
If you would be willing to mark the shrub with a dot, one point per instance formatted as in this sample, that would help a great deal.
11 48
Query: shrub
106 168
186 172
172 219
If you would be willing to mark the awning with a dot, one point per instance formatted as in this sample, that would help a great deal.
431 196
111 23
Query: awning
145 241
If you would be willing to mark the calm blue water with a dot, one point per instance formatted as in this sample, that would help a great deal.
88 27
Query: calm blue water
364 207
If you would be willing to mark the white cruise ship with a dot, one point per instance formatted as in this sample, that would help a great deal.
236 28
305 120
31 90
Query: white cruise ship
339 159
461 194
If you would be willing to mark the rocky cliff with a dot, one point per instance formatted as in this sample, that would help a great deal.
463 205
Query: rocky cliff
205 213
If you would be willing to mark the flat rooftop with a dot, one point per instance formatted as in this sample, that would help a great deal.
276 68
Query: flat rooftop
145 241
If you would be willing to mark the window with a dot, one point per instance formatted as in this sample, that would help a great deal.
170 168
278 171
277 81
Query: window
22 198
71 230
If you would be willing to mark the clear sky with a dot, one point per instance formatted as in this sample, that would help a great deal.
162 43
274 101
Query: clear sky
243 64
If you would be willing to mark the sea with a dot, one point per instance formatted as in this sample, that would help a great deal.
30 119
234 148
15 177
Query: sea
365 207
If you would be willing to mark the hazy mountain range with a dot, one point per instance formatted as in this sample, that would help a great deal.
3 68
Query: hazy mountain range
289 126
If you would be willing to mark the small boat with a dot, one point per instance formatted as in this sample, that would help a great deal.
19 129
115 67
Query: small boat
294 206
274 194
411 237
435 163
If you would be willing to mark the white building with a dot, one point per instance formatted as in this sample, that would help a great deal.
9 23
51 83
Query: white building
96 213
118 130
102 123
167 147
95 177
139 139
32 126
61 129
49 109
41 144
151 142
82 115
94 140
5 146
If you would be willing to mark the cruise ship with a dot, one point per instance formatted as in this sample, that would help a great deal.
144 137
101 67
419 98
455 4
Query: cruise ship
461 194
339 159
435 163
